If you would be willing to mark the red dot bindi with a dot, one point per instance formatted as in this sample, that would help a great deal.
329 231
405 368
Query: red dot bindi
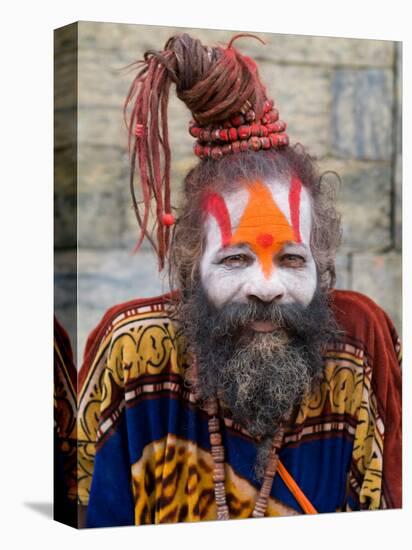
264 239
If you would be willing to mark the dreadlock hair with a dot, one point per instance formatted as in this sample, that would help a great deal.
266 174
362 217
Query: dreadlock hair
214 83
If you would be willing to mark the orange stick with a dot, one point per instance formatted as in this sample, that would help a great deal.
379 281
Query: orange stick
296 491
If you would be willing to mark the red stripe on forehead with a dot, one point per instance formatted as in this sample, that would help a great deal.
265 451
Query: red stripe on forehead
294 205
215 205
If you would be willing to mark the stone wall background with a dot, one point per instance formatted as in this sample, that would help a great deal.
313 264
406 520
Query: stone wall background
340 97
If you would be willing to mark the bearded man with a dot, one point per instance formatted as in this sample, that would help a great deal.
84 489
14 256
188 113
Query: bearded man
254 388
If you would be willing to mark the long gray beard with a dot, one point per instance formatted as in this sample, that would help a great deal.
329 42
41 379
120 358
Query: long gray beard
259 377
261 384
263 380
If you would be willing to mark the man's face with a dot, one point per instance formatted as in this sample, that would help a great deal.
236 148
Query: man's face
257 320
258 244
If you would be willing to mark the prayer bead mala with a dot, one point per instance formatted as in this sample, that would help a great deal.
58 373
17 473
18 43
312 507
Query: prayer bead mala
218 454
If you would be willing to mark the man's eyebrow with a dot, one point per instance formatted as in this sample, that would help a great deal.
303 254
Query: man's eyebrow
295 243
237 246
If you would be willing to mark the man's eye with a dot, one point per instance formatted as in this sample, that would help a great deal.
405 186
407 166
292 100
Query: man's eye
237 260
293 260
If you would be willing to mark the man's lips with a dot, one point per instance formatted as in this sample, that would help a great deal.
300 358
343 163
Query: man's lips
263 326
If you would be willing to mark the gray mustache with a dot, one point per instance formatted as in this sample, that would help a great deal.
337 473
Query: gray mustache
292 317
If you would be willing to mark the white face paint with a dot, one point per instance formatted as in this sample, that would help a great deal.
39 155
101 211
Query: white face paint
264 251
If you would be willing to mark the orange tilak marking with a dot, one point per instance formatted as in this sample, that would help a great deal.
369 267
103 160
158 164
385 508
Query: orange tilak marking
263 226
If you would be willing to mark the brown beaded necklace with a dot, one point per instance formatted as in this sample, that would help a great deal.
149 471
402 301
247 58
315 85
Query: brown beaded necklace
218 454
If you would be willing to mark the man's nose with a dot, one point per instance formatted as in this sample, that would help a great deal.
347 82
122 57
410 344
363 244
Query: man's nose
271 290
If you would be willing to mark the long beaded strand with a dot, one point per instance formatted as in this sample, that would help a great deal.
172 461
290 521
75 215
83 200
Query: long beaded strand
218 454
270 471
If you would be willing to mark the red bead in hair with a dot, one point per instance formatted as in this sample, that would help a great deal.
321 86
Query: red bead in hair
244 145
255 130
139 130
275 127
224 135
271 116
265 141
279 126
250 116
243 132
236 147
267 105
227 148
277 140
233 134
168 219
254 143
194 131
215 135
198 149
237 120
273 138
207 150
205 135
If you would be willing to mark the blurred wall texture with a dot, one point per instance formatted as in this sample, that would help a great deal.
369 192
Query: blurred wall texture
340 97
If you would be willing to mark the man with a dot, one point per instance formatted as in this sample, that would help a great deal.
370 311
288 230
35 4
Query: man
253 388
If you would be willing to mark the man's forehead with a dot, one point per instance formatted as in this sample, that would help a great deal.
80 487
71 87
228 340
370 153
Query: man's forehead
278 190
260 199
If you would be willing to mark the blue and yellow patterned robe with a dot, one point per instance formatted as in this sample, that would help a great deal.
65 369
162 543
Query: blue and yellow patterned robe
144 451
